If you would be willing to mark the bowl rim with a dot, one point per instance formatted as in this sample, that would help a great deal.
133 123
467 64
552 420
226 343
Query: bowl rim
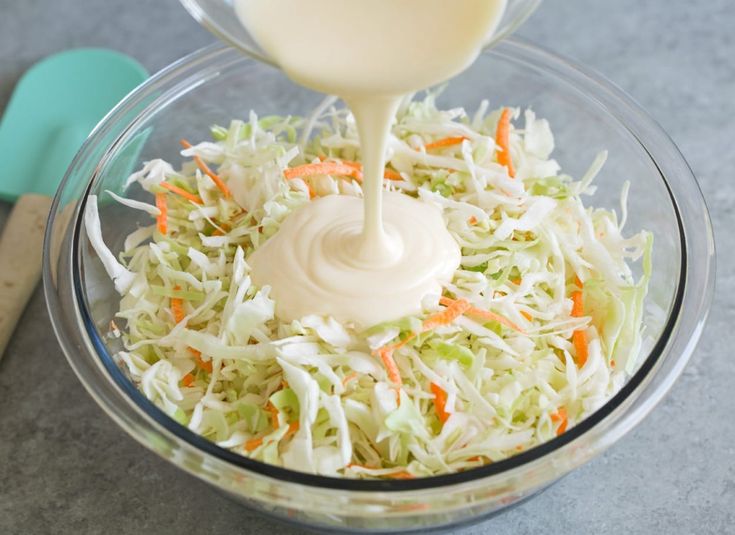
516 51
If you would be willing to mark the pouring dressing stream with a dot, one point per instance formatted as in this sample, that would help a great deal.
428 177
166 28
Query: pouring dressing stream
370 260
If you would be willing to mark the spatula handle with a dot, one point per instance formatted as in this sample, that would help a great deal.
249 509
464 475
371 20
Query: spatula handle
21 250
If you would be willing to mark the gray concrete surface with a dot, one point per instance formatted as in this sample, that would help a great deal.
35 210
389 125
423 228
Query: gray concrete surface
66 468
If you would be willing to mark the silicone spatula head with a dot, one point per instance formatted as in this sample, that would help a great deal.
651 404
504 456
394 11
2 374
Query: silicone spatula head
54 107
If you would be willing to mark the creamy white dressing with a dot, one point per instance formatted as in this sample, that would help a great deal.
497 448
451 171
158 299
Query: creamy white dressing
341 256
320 270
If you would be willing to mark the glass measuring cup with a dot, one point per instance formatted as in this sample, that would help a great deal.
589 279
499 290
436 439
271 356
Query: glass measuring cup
219 17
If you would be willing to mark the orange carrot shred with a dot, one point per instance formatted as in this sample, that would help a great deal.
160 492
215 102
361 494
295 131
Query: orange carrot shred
322 168
579 340
177 307
455 308
560 416
275 423
253 444
578 306
390 174
578 281
386 355
484 314
365 466
472 220
502 141
207 171
187 379
444 142
612 363
292 429
205 365
162 219
440 402
401 475
579 337
526 315
182 192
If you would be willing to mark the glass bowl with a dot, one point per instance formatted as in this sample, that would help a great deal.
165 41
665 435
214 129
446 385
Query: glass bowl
213 85
220 18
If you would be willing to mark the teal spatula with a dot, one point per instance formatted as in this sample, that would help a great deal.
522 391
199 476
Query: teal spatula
53 109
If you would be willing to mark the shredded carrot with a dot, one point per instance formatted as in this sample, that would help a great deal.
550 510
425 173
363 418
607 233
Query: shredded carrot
475 459
187 379
390 174
484 314
292 428
386 355
205 365
502 141
579 337
578 281
177 307
578 306
401 475
612 363
207 171
455 308
472 220
517 281
253 444
440 402
526 315
162 219
354 165
275 422
444 142
560 416
182 192
323 168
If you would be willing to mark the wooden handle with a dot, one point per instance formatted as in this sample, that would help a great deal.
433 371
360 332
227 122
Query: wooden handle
21 250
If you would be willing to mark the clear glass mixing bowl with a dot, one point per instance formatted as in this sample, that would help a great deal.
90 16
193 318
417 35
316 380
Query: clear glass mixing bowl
216 84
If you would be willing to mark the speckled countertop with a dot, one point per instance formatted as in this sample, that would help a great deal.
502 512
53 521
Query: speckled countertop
67 468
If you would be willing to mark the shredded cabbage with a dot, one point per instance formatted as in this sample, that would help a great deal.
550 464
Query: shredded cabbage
311 395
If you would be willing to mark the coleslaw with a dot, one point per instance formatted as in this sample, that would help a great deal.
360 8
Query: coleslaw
539 327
